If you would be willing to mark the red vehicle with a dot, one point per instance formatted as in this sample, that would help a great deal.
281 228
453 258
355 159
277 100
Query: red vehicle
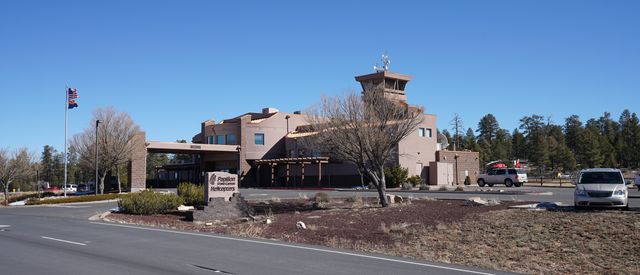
52 189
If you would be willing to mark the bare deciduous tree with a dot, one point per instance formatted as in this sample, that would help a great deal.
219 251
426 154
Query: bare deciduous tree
115 142
457 127
13 166
364 130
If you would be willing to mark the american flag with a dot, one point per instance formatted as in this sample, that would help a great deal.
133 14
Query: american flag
73 93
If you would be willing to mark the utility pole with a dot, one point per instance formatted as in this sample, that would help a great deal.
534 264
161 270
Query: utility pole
96 181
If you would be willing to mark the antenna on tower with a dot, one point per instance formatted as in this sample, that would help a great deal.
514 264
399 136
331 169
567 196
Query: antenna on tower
385 64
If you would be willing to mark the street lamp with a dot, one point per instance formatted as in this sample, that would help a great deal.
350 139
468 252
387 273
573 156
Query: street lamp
239 149
96 181
456 158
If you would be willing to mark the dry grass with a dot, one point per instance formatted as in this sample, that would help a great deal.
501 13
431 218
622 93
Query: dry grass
274 200
321 197
534 242
395 228
251 230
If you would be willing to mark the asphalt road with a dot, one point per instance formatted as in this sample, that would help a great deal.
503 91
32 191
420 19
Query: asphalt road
61 240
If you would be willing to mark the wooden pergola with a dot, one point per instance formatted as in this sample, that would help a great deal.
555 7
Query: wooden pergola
288 162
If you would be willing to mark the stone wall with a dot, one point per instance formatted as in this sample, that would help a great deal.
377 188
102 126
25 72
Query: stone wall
138 163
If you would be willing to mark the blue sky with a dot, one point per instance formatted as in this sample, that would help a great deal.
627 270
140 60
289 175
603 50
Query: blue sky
174 64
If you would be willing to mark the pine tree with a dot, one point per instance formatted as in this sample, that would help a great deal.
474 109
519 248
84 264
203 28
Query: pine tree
469 140
589 148
501 145
572 130
518 145
487 127
50 165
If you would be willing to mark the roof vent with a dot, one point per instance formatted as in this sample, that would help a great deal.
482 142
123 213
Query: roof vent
297 112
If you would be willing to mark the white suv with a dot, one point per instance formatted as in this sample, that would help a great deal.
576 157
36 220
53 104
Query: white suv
71 188
507 176
601 187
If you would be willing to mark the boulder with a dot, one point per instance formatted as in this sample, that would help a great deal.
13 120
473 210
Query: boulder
185 208
391 198
475 201
394 199
546 205
301 225
219 209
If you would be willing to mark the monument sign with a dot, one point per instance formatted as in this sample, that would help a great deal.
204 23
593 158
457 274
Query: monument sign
220 185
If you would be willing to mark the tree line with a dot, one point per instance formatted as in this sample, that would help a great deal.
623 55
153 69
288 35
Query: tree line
598 142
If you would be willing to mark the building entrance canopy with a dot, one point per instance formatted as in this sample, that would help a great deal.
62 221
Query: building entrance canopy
188 148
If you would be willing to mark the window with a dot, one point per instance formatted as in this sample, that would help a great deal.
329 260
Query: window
258 139
231 139
601 177
429 132
220 139
421 132
501 172
210 139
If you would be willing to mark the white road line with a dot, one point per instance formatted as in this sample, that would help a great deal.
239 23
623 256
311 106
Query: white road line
59 240
295 246
4 226
69 206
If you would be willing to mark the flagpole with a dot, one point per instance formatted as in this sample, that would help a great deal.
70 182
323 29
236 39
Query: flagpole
66 118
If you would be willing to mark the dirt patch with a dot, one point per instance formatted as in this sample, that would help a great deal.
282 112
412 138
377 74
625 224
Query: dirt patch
446 231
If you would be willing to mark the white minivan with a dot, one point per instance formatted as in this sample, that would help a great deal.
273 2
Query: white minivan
601 187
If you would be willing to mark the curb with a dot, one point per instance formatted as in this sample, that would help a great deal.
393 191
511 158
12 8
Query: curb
100 216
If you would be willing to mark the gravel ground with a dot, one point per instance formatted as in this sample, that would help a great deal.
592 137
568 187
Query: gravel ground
495 237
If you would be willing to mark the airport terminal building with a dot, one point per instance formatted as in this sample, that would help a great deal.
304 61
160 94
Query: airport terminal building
264 149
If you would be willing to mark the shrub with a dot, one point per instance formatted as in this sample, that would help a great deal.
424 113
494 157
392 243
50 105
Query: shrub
72 199
149 202
192 194
425 187
407 186
321 197
414 180
394 176
467 180
459 188
354 199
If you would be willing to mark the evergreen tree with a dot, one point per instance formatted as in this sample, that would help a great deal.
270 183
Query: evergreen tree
469 140
501 146
630 135
487 127
589 153
572 130
518 144
537 146
51 163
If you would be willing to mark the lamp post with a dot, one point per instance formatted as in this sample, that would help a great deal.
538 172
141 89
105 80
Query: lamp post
456 158
239 149
96 181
